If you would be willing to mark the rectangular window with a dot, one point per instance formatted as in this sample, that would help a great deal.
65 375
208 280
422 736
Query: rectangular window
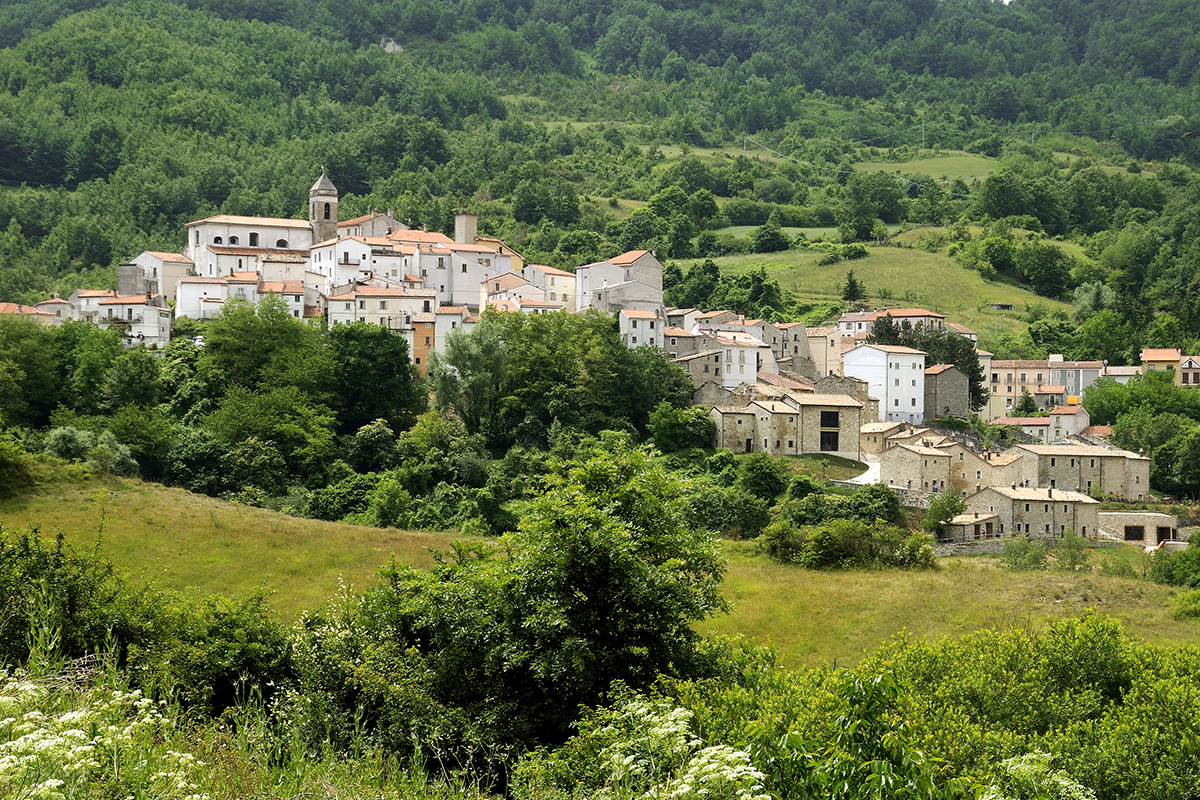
829 419
362 304
383 305
829 441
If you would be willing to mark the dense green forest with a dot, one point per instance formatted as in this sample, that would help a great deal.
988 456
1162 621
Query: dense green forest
122 121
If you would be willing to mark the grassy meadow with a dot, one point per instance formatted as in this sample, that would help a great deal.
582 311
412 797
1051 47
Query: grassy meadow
913 277
197 544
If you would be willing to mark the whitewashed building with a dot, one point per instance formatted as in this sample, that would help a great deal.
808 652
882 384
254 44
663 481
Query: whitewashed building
895 376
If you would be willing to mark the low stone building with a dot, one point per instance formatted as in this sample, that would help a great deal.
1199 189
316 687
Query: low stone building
873 436
1148 528
972 527
1037 513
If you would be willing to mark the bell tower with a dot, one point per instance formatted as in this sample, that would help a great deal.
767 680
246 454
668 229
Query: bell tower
323 209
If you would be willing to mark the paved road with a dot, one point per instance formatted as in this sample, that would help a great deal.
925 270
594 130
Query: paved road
872 473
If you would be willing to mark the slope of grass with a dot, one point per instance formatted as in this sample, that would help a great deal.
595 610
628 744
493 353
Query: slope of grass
912 277
818 617
190 542
948 165
196 543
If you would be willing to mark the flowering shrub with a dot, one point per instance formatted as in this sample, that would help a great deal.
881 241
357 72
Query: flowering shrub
643 749
65 743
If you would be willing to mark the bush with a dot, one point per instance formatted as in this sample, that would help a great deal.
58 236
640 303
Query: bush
1023 555
1073 553
15 474
1176 568
726 510
847 544
1186 605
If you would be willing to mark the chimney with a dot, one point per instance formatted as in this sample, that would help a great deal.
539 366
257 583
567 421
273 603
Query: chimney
1014 486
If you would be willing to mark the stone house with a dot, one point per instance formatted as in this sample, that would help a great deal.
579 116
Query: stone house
1035 427
1037 513
916 466
947 392
972 527
798 423
874 435
1086 468
703 367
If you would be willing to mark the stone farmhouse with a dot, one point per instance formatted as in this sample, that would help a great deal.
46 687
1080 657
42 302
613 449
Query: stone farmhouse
798 422
1038 513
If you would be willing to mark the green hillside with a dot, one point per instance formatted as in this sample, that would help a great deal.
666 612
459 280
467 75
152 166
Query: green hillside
911 277
193 543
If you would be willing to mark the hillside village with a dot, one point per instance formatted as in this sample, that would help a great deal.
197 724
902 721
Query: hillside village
772 387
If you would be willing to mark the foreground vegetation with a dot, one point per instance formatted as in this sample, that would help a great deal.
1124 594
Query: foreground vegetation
366 694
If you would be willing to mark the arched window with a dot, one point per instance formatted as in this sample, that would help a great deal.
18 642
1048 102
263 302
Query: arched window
239 263
327 211
281 243
254 240
216 240
233 240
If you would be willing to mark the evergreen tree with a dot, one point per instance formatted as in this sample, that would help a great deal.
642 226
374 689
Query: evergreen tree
1025 406
853 291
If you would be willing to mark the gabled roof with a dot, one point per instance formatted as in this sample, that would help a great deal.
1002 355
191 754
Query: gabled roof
551 270
451 310
1160 354
954 326
1024 422
1066 410
627 257
474 248
1090 450
905 312
938 369
54 301
635 313
23 310
1050 390
426 237
1042 495
671 330
733 410
774 379
892 348
281 287
814 399
264 222
694 356
97 292
173 258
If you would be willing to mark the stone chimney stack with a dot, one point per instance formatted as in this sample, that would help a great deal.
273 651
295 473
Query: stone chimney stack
466 228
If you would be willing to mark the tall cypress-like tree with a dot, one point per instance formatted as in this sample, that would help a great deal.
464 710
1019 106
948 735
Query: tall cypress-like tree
853 290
